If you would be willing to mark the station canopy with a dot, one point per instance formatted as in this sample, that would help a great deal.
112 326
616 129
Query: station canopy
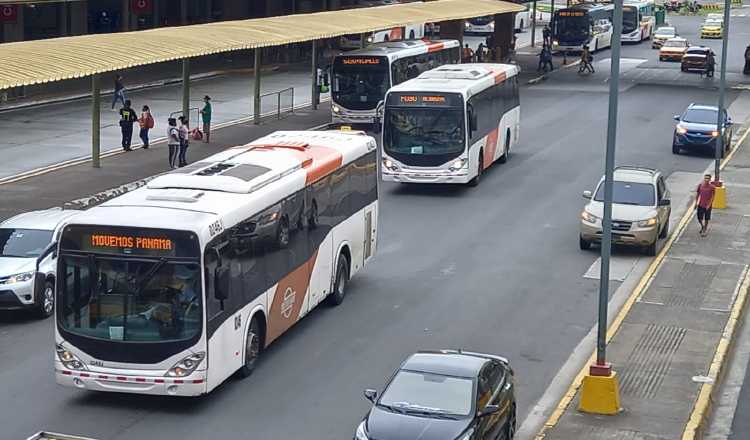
41 61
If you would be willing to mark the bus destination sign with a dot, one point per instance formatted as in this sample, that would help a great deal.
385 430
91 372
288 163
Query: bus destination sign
131 242
424 100
572 14
361 60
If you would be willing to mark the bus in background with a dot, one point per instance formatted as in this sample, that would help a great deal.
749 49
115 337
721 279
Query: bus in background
638 20
583 24
450 124
361 78
410 32
174 287
486 25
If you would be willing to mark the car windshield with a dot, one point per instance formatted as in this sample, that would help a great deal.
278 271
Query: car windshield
424 132
696 52
665 32
413 391
359 83
130 299
629 193
700 116
23 243
673 43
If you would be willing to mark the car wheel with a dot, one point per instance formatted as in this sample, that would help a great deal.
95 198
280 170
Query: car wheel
282 233
650 250
46 305
584 244
675 149
665 230
510 427
480 169
339 286
253 347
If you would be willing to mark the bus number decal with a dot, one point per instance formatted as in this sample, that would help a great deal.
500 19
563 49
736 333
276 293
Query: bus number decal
215 228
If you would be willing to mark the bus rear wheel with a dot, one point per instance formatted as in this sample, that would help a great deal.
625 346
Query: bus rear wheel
253 342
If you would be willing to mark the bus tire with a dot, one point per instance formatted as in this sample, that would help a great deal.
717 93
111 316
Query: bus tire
342 279
506 154
475 181
46 302
253 347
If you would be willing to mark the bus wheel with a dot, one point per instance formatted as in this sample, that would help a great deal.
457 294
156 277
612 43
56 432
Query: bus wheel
506 154
480 168
282 233
252 349
342 279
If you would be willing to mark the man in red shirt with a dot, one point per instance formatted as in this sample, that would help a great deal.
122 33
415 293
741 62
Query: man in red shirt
703 201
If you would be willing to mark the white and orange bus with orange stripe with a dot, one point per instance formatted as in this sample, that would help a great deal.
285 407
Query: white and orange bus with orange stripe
450 124
174 287
362 77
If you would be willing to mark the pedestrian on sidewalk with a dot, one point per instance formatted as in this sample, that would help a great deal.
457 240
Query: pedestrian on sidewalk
704 200
119 91
206 114
184 141
146 122
127 119
173 140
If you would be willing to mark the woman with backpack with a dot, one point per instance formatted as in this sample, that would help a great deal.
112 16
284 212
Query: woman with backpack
173 140
146 122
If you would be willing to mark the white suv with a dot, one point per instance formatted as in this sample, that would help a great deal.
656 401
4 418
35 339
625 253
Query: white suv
27 261
640 209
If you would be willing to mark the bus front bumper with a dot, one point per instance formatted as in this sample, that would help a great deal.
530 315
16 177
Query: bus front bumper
425 177
348 117
632 37
192 385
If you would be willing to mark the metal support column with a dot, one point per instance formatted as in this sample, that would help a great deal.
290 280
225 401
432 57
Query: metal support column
722 93
96 101
533 24
609 167
256 86
315 96
186 88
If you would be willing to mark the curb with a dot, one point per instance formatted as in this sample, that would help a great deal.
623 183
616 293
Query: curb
699 416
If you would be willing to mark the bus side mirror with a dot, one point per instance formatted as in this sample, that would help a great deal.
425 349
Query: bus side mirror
380 108
221 283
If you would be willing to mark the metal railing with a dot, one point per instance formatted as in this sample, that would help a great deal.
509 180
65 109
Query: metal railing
282 106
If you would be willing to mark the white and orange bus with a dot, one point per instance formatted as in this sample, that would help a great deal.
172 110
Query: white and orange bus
173 287
361 77
450 124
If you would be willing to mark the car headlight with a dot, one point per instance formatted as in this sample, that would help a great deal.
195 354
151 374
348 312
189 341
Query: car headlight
467 435
68 359
336 109
361 432
19 278
715 133
458 164
555 43
388 164
680 129
186 366
647 223
589 217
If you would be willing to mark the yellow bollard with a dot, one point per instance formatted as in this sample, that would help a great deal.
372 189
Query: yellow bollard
720 197
600 394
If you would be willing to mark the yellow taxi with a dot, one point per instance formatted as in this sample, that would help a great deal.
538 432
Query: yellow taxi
712 28
673 49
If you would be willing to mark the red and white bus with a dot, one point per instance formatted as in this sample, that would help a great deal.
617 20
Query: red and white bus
173 287
362 77
450 124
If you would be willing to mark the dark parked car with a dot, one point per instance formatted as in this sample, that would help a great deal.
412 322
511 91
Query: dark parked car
451 395
696 129
699 58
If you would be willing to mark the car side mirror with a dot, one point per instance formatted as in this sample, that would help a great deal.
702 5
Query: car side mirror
489 410
665 202
221 283
587 194
371 395
676 117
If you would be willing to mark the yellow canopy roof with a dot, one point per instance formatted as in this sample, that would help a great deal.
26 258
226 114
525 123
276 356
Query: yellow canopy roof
57 59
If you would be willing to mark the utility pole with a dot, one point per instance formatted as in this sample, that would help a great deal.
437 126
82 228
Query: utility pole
533 24
720 122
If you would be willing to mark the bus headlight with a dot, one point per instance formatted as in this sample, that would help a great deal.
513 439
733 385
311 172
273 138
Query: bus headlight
336 109
457 165
186 366
389 165
68 359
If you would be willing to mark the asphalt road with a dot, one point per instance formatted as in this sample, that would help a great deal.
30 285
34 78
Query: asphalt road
494 268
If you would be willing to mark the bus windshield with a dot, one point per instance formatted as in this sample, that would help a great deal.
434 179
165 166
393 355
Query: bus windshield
630 21
572 30
130 299
424 132
482 21
359 83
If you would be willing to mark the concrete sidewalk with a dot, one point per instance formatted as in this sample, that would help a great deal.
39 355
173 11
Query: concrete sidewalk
121 172
674 333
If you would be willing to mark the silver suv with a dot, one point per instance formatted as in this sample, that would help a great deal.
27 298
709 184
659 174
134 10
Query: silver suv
640 209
